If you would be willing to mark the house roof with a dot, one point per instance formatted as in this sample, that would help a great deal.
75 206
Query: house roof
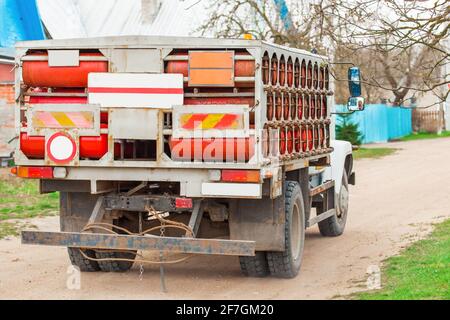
66 19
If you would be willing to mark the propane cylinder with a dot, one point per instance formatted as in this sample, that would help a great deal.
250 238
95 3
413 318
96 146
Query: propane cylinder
303 74
322 137
282 73
319 107
92 147
290 140
274 70
300 107
219 100
312 107
64 100
40 74
292 103
296 74
306 102
310 138
304 138
316 137
290 76
297 139
242 68
278 106
269 106
214 149
285 106
282 136
324 106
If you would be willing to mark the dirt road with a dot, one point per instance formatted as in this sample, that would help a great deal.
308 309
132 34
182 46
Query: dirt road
394 202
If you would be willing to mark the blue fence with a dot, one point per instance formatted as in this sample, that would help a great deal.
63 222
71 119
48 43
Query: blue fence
379 122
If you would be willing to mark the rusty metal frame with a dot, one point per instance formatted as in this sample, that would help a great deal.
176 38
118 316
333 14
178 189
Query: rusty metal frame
148 242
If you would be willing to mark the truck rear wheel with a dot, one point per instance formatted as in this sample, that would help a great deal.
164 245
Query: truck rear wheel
335 225
115 265
130 224
255 266
84 264
286 264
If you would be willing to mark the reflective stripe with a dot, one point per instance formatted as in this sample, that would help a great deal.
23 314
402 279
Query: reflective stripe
211 121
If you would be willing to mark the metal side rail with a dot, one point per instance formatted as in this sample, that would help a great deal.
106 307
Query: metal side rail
132 242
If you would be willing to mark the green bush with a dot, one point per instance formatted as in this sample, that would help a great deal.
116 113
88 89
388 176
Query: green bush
348 131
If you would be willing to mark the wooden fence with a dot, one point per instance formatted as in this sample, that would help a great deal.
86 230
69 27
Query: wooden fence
426 120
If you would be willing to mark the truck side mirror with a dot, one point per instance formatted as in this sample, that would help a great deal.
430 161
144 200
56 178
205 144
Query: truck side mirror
355 102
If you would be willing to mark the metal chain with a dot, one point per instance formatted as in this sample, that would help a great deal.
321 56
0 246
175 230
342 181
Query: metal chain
161 258
141 265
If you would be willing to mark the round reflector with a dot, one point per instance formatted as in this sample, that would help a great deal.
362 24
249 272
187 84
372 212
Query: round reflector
61 148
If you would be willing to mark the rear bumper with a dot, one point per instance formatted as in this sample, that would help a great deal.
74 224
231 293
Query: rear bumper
135 242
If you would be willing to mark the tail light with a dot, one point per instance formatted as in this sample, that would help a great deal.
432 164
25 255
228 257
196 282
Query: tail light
33 172
241 176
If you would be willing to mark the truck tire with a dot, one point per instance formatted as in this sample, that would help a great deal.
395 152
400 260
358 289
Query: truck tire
255 266
112 265
286 264
78 260
334 226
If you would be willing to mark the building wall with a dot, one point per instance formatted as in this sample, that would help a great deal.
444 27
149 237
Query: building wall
6 93
6 74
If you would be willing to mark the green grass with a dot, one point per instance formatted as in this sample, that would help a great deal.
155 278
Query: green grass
422 271
424 135
373 153
19 199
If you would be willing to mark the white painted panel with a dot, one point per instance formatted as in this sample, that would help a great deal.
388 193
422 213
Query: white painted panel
252 190
135 89
129 123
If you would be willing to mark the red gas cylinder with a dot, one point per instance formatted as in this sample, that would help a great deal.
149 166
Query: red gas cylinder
278 106
269 106
242 68
300 107
282 73
292 106
282 136
286 106
318 107
324 106
297 139
68 100
306 103
297 74
290 140
214 149
220 100
39 74
309 75
274 70
290 76
93 147
316 137
304 138
310 138
312 107
322 137
303 74
32 146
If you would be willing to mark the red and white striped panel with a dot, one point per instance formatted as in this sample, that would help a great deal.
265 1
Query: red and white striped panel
135 89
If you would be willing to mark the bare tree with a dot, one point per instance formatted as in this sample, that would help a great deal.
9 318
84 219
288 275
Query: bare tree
400 44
